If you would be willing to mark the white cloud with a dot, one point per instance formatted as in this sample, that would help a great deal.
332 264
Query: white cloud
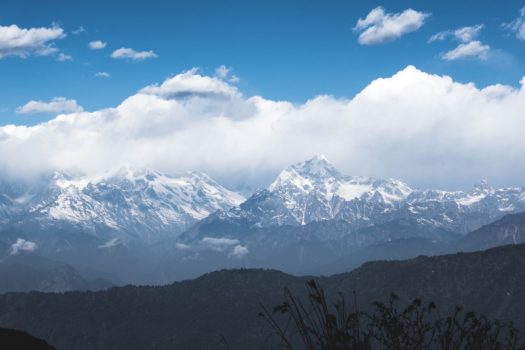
62 57
225 73
470 49
218 244
102 74
427 130
239 251
182 246
97 45
56 106
21 245
79 30
128 53
222 245
439 36
21 42
222 72
467 34
379 27
191 84
518 25
464 34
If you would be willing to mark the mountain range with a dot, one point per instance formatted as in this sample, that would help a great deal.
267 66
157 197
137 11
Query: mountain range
143 226
315 190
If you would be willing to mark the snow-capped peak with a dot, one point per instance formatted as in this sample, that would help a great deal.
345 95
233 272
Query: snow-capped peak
317 167
307 176
320 176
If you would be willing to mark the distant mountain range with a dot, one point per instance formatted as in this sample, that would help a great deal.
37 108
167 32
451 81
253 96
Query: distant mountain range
196 314
133 204
314 191
147 227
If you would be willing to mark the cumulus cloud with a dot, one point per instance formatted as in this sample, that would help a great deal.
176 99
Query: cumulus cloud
128 53
22 42
97 45
425 129
379 27
56 106
21 245
470 49
102 74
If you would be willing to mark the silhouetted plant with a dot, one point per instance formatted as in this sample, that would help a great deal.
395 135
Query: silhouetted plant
315 325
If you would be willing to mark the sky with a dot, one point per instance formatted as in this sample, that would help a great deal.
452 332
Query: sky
427 92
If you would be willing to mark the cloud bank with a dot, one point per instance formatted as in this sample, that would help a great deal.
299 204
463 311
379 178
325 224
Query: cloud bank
379 27
425 129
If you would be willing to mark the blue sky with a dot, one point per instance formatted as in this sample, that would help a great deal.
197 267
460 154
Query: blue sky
280 49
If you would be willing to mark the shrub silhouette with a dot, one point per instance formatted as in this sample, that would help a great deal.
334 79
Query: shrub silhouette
315 325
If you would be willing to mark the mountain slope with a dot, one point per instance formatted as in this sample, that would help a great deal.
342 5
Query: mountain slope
194 314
